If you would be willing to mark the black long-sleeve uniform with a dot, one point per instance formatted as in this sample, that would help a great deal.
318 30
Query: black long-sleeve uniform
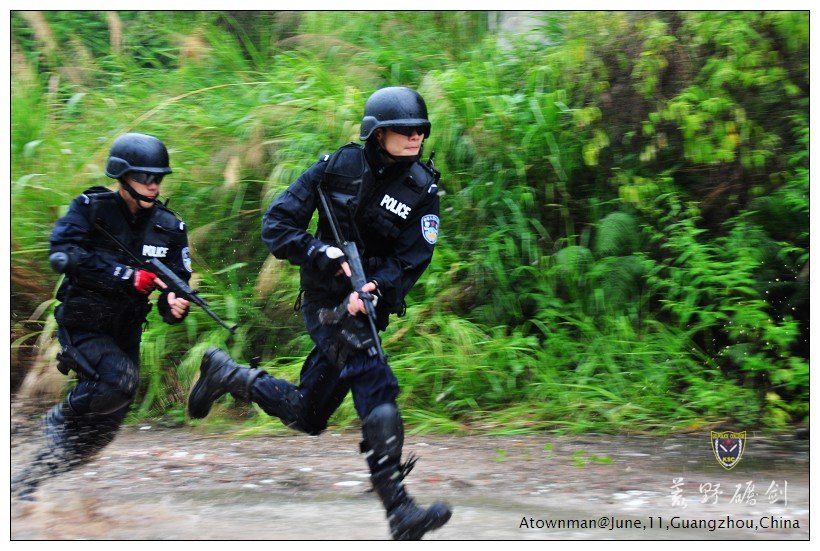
391 213
98 291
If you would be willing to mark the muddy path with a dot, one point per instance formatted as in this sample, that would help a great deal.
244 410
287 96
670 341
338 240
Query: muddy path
157 483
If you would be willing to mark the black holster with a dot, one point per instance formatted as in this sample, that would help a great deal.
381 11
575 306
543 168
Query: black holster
72 359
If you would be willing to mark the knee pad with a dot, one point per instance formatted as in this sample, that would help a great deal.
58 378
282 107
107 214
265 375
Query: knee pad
118 384
98 399
383 433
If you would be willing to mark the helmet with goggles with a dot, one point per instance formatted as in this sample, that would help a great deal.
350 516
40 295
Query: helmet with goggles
396 107
137 153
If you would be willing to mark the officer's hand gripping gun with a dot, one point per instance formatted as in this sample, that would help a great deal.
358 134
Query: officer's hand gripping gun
357 278
60 261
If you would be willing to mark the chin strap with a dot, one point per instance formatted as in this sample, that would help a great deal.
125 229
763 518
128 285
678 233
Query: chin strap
136 196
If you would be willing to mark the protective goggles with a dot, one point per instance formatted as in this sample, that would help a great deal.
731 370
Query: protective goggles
146 178
408 130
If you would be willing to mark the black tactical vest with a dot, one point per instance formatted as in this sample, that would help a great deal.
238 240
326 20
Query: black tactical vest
161 229
350 186
158 235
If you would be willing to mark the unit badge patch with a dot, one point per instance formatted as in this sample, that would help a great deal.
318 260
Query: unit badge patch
186 259
429 228
728 447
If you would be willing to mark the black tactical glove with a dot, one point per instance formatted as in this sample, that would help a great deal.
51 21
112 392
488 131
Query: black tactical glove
328 259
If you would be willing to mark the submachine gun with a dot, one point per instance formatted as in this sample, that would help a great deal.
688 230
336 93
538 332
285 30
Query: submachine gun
357 277
59 262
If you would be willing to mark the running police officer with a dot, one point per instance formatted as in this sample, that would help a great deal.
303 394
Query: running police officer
385 200
104 302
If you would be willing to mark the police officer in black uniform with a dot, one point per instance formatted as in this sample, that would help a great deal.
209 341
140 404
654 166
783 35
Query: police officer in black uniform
386 201
104 302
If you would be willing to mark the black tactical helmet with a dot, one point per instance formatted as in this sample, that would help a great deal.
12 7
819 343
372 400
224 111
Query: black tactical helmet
394 106
137 153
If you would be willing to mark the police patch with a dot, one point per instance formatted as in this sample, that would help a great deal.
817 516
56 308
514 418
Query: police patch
186 259
429 228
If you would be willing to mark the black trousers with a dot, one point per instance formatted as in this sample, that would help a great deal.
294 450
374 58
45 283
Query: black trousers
323 386
90 416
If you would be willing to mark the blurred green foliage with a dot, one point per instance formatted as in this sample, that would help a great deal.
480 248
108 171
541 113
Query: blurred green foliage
625 226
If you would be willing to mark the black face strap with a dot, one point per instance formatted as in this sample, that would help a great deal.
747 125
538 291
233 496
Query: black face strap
136 196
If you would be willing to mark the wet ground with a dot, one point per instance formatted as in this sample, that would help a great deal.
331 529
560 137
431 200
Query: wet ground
181 484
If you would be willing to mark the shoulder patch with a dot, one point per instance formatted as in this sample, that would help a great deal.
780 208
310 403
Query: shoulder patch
429 228
186 259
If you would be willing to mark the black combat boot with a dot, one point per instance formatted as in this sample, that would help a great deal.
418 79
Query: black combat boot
407 520
219 374
384 438
58 454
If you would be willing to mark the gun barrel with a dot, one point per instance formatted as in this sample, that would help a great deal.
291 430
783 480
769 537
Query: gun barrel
183 290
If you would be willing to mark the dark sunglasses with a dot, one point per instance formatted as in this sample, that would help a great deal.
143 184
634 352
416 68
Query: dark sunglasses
146 178
408 130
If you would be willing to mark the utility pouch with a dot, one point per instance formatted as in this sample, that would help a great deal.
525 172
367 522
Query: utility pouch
333 316
353 333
